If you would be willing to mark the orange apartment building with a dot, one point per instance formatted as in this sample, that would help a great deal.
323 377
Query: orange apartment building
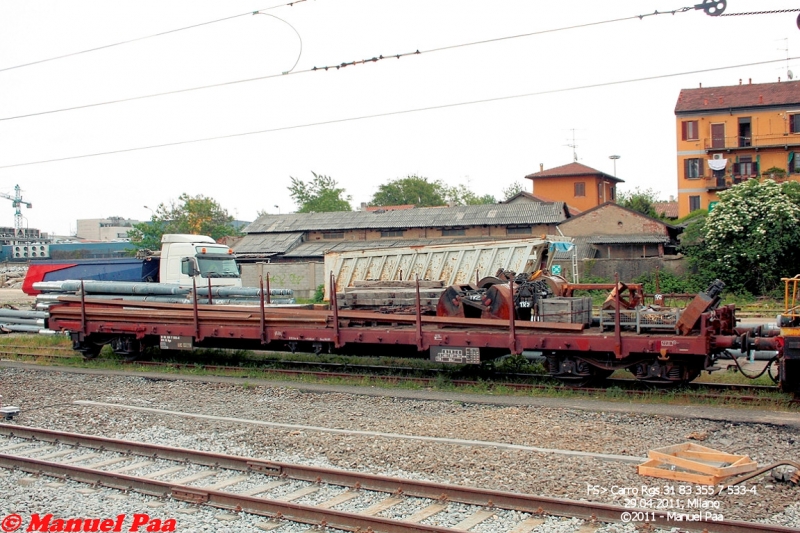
581 187
730 134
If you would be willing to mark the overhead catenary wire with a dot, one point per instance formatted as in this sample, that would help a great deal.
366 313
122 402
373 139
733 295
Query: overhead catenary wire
771 12
394 113
136 39
338 66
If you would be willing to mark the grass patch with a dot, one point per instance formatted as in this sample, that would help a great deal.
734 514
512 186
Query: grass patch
257 366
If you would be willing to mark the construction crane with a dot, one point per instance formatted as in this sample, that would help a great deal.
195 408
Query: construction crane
17 201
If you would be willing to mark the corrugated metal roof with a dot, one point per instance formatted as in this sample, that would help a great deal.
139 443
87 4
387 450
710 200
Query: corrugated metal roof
523 213
628 239
318 248
262 243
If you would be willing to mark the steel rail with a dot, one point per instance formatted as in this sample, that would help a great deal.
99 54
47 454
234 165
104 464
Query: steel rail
323 374
424 489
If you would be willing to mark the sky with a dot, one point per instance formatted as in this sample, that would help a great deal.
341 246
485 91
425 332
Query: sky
484 115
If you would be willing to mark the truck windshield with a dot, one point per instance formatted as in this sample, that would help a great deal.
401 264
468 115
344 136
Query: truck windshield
217 267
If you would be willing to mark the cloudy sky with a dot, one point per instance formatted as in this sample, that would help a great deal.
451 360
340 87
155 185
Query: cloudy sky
482 114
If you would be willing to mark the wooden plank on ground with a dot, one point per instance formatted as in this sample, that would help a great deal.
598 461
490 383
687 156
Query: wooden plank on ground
382 505
475 519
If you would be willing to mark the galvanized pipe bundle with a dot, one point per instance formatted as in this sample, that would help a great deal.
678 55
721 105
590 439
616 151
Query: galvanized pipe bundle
126 288
157 292
25 321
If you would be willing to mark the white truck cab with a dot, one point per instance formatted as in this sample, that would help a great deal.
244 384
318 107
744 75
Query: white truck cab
211 261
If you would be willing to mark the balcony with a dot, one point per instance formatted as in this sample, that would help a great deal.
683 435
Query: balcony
722 183
774 140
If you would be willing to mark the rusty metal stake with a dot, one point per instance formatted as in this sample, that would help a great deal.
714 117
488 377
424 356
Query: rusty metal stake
83 309
617 327
335 305
513 318
269 296
261 309
210 300
194 308
420 346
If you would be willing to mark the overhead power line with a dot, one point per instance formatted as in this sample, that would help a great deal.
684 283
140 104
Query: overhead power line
394 113
373 59
160 34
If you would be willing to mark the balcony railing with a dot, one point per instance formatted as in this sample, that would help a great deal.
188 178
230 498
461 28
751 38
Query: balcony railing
758 141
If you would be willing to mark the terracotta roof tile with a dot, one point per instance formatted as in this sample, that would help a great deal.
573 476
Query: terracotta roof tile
667 209
738 96
571 169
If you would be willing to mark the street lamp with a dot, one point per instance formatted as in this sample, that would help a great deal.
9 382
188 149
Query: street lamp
278 208
614 158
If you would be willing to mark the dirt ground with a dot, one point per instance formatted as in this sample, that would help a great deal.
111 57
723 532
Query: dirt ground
16 298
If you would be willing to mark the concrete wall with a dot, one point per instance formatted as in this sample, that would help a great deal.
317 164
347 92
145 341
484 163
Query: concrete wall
628 269
303 278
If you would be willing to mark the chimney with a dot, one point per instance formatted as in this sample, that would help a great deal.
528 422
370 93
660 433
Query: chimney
750 81
760 98
721 100
701 85
740 81
541 167
671 198
705 102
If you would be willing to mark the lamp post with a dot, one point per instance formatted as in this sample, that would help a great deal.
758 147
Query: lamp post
614 159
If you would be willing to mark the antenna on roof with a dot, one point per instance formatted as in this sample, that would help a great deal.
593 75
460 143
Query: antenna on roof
789 73
573 146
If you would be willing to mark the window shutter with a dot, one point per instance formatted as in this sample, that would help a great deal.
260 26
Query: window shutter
684 132
736 169
755 168
792 123
686 168
702 167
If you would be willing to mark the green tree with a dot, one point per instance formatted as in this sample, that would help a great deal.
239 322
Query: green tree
640 200
197 215
512 190
751 238
320 195
412 189
460 195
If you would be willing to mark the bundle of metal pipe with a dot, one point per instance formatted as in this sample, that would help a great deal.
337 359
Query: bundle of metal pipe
45 300
14 320
122 287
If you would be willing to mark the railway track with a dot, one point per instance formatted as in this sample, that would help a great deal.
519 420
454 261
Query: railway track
351 501
742 393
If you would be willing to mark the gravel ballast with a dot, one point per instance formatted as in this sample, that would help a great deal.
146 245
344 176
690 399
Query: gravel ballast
46 400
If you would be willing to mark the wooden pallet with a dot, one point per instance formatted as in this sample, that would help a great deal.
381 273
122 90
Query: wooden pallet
694 464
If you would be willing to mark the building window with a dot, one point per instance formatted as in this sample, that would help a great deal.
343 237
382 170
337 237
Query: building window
333 235
794 123
794 163
580 188
694 203
393 233
694 168
521 230
454 232
690 130
745 167
613 193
